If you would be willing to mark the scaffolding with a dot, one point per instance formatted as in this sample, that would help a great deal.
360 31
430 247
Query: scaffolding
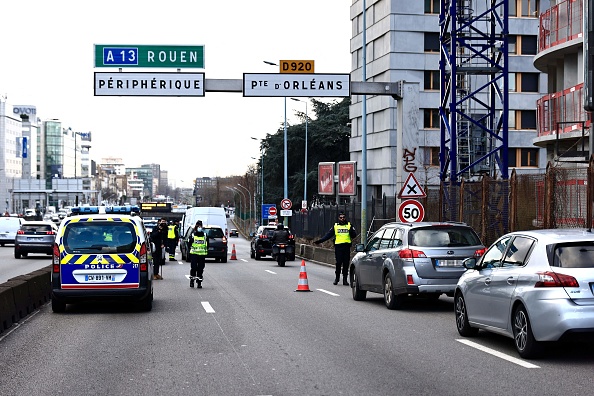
474 89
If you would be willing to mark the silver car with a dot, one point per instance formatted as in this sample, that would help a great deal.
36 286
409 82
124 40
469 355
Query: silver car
413 259
532 286
35 237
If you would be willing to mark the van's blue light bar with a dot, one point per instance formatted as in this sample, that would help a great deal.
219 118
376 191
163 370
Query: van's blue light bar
78 210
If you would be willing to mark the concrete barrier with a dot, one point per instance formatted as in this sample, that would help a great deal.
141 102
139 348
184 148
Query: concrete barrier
21 295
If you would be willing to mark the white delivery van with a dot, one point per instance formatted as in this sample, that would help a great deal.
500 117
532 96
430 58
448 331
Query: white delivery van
209 215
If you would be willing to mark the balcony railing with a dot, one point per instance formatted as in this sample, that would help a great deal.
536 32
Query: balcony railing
561 23
562 111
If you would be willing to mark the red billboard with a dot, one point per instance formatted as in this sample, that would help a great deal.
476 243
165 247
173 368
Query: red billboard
326 178
347 173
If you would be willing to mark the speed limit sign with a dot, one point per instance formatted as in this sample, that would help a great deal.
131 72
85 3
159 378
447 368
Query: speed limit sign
411 211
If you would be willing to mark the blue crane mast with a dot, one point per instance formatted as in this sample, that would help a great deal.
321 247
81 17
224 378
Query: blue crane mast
474 89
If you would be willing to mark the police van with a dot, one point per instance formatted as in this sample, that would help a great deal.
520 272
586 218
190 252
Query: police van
102 253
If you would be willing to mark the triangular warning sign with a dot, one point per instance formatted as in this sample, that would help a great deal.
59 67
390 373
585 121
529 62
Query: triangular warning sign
412 188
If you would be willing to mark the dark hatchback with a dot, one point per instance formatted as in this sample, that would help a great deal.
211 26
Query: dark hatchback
35 237
261 246
217 244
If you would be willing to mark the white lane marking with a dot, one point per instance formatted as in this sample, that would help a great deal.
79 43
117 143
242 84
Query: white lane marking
18 324
180 262
244 260
207 307
270 272
498 354
328 292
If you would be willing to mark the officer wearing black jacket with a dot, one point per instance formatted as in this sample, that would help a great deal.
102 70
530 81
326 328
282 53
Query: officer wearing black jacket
159 238
343 233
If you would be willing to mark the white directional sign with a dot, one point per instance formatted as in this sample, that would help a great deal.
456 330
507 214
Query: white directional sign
412 188
304 85
286 213
149 84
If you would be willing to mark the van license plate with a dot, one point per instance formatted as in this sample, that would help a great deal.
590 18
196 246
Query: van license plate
99 278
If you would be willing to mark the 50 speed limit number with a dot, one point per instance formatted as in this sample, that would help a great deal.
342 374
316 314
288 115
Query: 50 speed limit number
411 211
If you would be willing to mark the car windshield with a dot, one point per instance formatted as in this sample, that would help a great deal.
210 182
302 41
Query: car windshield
579 255
214 232
28 228
443 237
100 237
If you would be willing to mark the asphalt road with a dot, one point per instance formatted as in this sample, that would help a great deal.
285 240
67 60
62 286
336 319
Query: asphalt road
247 332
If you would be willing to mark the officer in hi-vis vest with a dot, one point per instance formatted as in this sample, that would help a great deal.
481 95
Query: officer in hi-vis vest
172 239
343 233
198 252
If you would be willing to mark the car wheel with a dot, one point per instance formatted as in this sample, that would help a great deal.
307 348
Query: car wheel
25 254
462 317
358 294
392 300
58 306
224 260
258 257
524 340
17 255
1 244
252 253
146 304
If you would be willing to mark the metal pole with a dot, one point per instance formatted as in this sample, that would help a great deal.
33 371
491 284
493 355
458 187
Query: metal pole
286 184
364 136
250 200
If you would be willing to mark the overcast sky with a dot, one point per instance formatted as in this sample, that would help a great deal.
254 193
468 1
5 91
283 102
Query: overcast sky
47 61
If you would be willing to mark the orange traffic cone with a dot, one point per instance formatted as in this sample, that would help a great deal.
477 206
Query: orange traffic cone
233 255
302 285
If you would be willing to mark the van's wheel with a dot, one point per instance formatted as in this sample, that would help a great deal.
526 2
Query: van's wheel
58 306
146 304
17 255
224 260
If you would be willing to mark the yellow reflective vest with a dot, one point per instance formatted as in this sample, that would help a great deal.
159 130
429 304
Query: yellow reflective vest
171 232
341 233
199 246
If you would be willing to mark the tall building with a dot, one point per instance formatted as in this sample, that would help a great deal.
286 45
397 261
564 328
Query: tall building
10 153
563 124
402 44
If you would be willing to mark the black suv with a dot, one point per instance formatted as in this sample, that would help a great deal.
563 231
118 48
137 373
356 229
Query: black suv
261 245
217 244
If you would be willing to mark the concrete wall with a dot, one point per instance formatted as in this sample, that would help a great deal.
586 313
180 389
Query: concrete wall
21 295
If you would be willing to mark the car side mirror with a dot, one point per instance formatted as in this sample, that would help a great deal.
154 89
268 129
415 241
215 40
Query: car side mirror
469 263
252 234
359 247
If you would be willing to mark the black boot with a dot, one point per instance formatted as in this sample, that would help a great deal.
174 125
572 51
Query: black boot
345 281
191 281
336 280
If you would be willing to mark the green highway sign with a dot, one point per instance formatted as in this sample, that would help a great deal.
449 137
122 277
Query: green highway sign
173 56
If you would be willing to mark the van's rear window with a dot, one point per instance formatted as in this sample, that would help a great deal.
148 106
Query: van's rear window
99 237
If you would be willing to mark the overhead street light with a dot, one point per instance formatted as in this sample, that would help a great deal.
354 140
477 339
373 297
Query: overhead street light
286 184
305 172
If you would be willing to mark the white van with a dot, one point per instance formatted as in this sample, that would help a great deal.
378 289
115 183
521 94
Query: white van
208 214
8 229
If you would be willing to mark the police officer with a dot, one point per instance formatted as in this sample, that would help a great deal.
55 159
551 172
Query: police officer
159 238
172 239
343 233
198 252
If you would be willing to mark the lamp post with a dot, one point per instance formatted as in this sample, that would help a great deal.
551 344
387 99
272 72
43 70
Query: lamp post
250 200
305 172
262 176
286 184
236 191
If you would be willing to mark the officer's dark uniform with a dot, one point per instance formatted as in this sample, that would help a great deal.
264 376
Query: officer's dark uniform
343 233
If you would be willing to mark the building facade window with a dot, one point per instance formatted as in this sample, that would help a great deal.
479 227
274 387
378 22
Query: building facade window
431 156
521 119
432 80
432 6
430 118
522 157
431 42
522 44
524 8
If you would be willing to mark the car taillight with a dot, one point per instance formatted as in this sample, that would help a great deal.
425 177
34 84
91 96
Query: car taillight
479 252
21 232
411 254
56 259
50 233
291 236
142 258
263 236
553 279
